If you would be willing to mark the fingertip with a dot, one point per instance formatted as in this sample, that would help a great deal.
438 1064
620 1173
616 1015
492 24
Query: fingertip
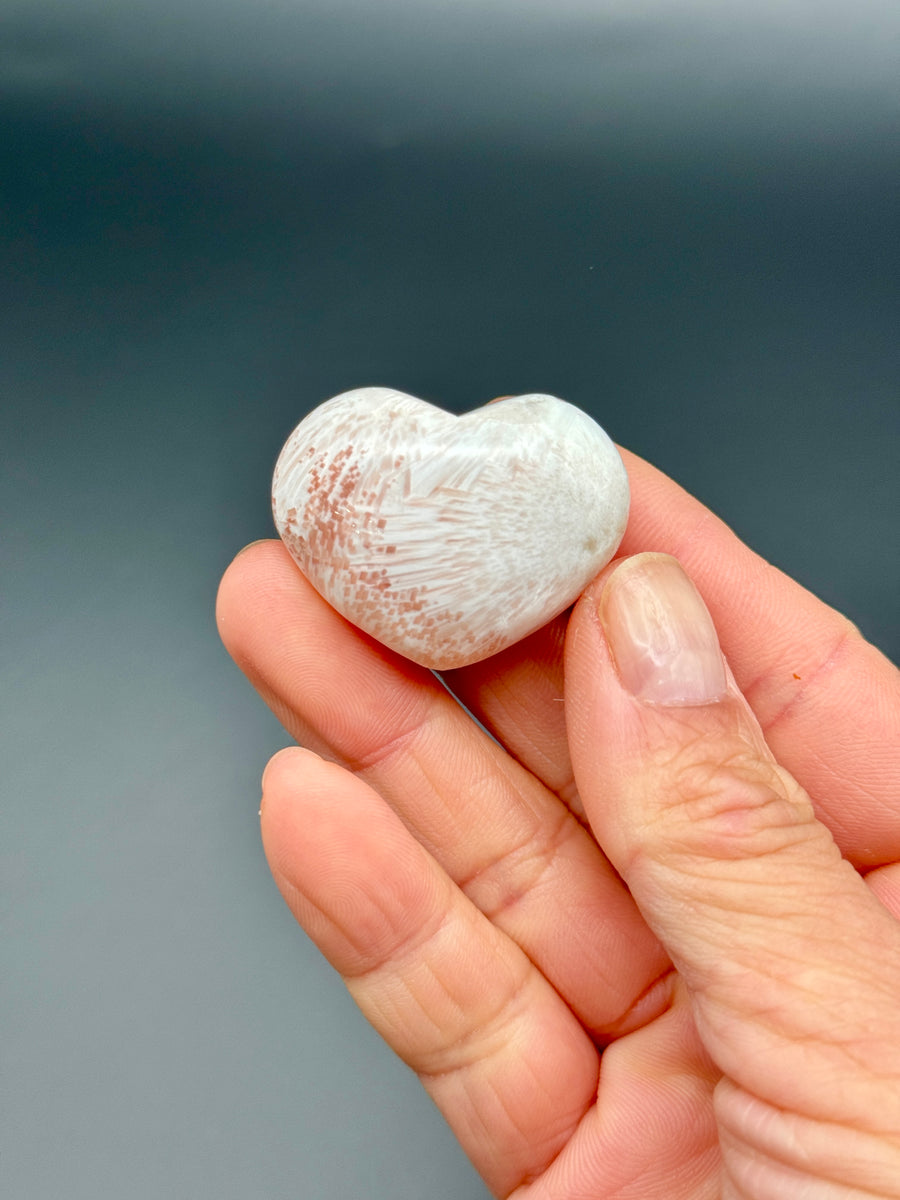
251 546
250 559
294 810
286 773
284 762
247 564
254 559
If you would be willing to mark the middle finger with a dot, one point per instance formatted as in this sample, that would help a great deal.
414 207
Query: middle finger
495 827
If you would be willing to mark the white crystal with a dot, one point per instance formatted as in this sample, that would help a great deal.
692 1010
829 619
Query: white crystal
449 538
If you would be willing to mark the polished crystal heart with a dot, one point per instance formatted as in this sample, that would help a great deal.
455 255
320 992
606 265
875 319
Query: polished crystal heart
449 537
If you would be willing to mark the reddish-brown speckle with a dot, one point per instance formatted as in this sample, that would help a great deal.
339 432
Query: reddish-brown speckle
383 494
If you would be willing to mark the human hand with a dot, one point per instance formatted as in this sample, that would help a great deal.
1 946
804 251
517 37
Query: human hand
457 886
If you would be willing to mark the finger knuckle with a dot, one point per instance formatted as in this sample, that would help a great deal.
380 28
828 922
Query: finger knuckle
730 806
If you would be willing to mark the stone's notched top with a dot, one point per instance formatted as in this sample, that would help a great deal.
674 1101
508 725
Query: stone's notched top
449 538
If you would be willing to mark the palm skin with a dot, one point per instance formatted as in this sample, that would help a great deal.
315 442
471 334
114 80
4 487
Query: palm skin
458 883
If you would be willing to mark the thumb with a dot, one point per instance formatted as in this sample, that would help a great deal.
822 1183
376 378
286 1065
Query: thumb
791 964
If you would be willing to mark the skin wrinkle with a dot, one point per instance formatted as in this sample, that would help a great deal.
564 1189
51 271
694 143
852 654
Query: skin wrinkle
734 831
403 949
431 726
787 1149
777 1131
439 709
383 754
397 947
698 779
515 1006
409 945
787 975
468 1073
656 999
386 1003
521 867
708 783
515 891
413 948
778 968
831 658
559 1133
810 1026
649 862
717 803
529 1177
518 889
508 790
368 766
282 712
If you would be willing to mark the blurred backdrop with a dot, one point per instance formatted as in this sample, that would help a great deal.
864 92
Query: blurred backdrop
682 216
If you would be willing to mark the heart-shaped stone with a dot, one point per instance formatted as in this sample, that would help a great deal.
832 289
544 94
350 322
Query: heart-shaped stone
449 538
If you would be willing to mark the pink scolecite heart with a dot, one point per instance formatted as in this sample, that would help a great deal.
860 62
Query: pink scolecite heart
448 538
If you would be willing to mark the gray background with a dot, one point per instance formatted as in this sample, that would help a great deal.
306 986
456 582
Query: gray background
683 217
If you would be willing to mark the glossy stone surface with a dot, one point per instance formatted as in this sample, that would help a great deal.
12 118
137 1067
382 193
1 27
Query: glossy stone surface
449 537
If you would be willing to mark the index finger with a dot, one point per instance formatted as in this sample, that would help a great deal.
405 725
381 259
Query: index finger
828 701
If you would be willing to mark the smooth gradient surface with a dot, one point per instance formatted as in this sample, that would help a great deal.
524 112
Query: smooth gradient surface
681 217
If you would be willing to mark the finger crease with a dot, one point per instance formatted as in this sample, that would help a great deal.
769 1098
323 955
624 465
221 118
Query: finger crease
499 885
810 677
385 751
481 1041
407 947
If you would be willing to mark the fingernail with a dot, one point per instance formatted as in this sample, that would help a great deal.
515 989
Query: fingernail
661 635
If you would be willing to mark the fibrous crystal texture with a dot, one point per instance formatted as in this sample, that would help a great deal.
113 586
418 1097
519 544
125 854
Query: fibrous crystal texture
449 537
